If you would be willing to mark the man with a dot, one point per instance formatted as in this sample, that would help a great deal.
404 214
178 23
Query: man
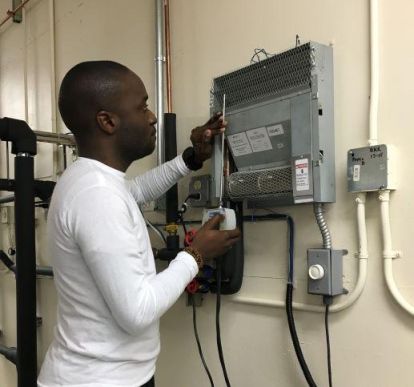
110 298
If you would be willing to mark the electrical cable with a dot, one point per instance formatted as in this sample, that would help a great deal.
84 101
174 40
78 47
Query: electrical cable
156 230
257 52
218 335
295 340
328 301
200 351
289 306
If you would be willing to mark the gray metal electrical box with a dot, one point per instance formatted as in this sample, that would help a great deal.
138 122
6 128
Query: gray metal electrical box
280 130
325 272
371 168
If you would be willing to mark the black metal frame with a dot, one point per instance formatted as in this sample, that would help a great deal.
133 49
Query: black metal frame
25 189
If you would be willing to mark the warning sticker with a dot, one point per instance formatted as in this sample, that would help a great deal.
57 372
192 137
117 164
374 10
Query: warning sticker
302 174
275 130
259 139
356 176
239 144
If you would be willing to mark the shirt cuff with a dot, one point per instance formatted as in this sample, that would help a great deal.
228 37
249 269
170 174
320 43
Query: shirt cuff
182 167
189 261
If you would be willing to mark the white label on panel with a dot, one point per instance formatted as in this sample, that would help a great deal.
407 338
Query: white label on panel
305 200
239 144
357 173
302 174
275 130
259 139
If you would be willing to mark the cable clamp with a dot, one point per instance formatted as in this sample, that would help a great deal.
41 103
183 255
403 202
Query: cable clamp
360 255
393 254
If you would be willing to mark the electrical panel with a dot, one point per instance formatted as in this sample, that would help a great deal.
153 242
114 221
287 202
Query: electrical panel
280 133
371 168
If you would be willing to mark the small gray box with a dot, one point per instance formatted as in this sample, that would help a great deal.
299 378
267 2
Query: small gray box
330 284
370 168
201 185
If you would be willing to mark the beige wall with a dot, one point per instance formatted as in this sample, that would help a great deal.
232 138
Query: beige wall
373 341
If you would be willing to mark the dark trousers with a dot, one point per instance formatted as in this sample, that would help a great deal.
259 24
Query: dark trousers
150 383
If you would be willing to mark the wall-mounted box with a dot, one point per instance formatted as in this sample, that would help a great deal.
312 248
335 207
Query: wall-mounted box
280 131
372 168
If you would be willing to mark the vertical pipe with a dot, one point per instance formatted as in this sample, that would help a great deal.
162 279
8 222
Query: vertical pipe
26 96
374 95
170 153
173 241
168 54
52 65
25 271
53 118
159 61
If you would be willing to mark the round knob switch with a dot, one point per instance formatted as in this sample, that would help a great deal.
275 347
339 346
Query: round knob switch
316 272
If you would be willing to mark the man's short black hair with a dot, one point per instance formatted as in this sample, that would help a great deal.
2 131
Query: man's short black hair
86 89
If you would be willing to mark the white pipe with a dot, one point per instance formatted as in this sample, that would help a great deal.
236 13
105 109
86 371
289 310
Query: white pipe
374 96
350 298
389 254
362 226
159 64
52 65
26 96
53 109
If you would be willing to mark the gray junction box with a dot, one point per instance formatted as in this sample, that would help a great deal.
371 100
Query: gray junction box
280 129
372 168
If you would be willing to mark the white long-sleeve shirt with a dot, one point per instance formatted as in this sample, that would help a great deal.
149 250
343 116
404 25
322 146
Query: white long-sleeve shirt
110 298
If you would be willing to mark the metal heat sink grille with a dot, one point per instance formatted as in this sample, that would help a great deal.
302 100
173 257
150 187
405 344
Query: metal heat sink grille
280 74
267 183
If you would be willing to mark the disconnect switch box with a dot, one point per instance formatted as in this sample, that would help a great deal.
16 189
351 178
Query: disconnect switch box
325 272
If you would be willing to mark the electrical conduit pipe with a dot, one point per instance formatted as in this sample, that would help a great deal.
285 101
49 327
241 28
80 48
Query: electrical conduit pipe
362 256
389 254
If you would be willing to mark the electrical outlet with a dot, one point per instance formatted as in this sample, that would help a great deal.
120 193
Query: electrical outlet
200 185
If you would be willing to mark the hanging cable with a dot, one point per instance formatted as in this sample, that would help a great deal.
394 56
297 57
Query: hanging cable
328 344
200 350
187 241
156 230
256 56
218 335
289 305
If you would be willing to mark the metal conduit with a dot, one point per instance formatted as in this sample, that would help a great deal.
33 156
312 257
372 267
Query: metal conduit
323 226
159 64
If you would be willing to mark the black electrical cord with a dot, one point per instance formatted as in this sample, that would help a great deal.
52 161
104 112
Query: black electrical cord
289 306
294 335
328 301
218 335
200 350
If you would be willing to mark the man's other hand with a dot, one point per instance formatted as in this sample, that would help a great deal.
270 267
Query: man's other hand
202 137
211 242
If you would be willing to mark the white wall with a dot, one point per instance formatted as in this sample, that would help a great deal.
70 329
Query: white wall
372 342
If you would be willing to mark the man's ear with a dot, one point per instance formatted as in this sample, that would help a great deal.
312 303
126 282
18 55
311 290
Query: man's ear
108 122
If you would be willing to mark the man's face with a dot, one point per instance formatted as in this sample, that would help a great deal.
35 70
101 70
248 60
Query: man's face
136 135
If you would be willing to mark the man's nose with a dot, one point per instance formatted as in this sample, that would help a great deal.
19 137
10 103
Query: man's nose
153 119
